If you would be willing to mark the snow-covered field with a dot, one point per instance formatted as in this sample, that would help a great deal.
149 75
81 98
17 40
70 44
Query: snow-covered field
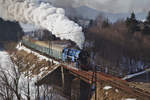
5 61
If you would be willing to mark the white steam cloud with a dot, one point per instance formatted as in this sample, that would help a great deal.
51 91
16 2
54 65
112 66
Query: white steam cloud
43 15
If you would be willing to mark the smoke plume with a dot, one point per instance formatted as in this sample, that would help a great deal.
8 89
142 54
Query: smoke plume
43 15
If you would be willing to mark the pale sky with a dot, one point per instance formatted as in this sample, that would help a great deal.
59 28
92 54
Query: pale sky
118 6
114 6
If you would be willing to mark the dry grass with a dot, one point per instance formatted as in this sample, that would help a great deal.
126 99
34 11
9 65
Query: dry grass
27 62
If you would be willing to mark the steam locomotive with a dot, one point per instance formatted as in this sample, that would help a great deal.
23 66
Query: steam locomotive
58 50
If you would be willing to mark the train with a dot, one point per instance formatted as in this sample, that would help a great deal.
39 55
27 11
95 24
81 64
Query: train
58 50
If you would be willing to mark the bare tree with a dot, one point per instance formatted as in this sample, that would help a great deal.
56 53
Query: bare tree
10 83
5 92
46 92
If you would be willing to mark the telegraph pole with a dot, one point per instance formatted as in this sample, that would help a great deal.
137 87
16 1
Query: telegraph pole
147 73
94 78
50 46
95 83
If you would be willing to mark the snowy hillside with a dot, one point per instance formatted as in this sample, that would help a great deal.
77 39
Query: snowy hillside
10 70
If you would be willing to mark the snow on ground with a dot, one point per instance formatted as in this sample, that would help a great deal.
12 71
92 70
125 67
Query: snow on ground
129 99
41 57
107 87
5 64
136 74
5 61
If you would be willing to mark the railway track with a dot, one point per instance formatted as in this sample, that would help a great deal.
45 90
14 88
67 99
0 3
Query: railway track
114 81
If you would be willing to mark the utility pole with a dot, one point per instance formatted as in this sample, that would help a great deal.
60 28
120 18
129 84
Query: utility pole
95 83
50 47
147 76
94 78
62 73
49 50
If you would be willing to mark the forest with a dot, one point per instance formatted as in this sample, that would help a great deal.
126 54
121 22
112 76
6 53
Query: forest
121 47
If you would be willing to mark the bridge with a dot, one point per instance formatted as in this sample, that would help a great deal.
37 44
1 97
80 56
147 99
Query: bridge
90 77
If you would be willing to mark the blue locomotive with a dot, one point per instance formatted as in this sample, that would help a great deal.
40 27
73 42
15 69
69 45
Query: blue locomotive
69 53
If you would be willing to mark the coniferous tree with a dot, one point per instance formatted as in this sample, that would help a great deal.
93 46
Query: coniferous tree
148 18
128 21
105 23
146 30
133 17
132 23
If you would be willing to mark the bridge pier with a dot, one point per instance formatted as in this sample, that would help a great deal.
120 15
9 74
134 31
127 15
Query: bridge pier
66 82
62 76
80 90
74 87
84 90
